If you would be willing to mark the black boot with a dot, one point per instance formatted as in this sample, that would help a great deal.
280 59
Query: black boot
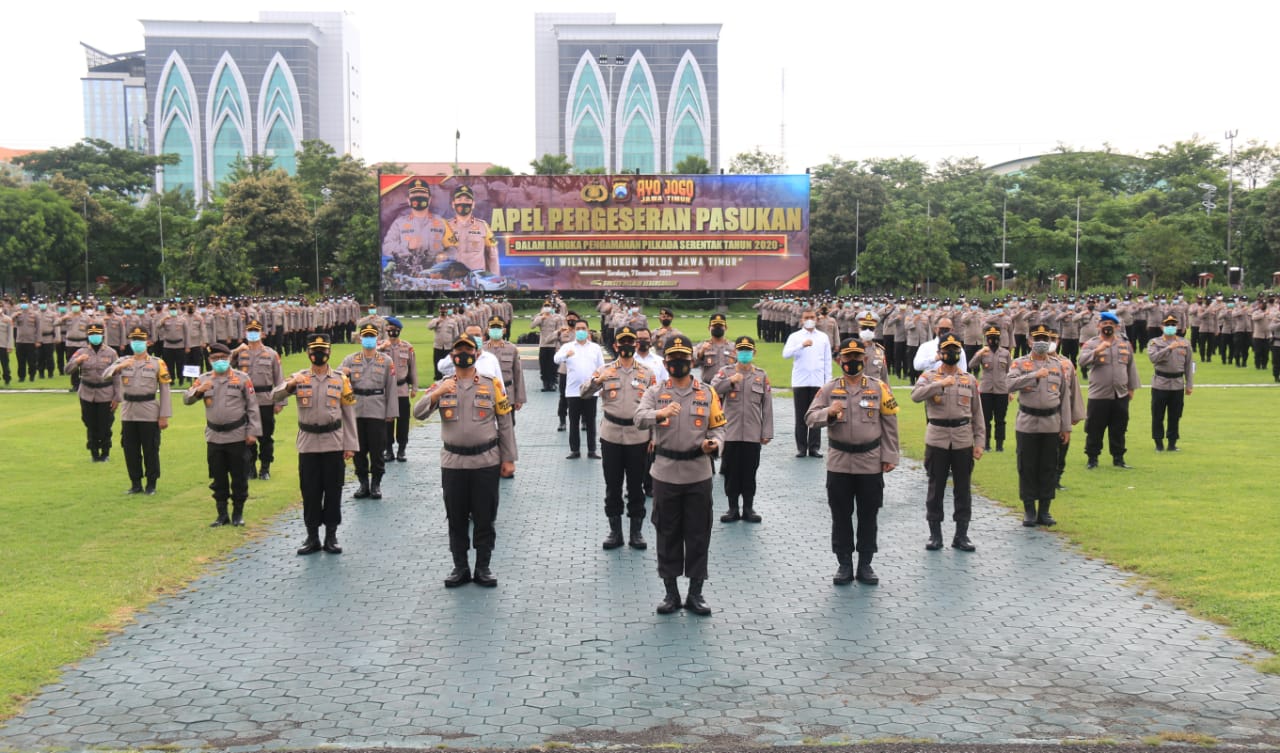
865 574
749 513
237 513
265 473
222 520
1043 517
363 491
375 489
695 603
312 544
1173 447
999 445
671 602
614 539
732 515
637 534
1029 514
401 457
331 540
1159 445
483 576
388 456
844 573
461 574
253 470
961 540
935 536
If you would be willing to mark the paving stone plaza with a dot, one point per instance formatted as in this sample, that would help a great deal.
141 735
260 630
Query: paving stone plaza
1023 640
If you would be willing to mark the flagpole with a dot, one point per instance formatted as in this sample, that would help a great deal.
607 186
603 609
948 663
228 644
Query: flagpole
1077 274
457 136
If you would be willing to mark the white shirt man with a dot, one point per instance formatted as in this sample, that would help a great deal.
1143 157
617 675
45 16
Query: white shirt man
487 364
927 355
581 359
810 351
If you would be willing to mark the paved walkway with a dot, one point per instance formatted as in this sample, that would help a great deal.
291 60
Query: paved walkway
1022 640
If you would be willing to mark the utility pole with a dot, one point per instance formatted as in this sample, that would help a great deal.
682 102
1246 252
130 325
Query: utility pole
86 245
1076 277
1231 167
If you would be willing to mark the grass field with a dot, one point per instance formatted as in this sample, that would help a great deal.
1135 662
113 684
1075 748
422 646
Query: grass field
77 558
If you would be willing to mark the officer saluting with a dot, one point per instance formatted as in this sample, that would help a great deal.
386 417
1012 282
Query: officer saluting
747 398
479 443
262 364
861 416
1175 373
688 429
1043 423
97 392
373 379
142 389
326 439
406 362
623 446
233 421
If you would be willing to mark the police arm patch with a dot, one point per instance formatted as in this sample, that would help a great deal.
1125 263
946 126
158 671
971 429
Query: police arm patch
888 403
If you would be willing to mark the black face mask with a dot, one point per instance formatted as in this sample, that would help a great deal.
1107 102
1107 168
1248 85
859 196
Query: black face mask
679 368
419 203
463 360
993 342
665 322
852 368
319 357
717 331
393 333
626 351
950 356
642 346
942 333
1108 331
462 209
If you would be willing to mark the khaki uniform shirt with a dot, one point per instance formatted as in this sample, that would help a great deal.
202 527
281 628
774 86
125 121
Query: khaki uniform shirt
94 386
405 360
959 402
373 380
263 367
326 411
1073 387
1112 371
142 388
874 362
1048 393
476 415
6 331
28 326
373 319
549 326
870 416
1175 368
700 418
508 355
415 241
621 389
748 403
476 247
712 356
995 370
231 411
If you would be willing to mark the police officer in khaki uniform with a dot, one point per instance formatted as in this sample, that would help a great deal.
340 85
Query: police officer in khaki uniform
548 323
405 360
716 353
1113 376
992 362
142 390
476 246
953 440
623 446
1043 424
262 364
1174 378
97 392
372 375
876 361
326 439
688 428
747 398
233 421
861 416
479 442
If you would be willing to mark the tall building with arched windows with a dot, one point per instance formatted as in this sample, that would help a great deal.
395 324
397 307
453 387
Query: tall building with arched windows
214 92
626 97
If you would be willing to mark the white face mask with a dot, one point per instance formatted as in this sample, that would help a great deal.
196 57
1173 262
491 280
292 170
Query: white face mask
866 334
810 323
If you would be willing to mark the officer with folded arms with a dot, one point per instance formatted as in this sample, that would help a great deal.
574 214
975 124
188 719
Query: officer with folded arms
233 421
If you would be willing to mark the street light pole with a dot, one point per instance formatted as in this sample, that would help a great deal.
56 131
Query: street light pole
1076 277
1231 167
315 230
612 157
1004 240
164 277
86 244
857 233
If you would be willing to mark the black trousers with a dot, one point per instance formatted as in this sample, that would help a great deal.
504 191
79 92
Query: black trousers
175 359
97 419
1037 465
470 502
939 463
369 458
320 478
1106 416
995 407
1275 362
1197 342
624 463
582 410
1261 347
562 410
26 353
849 494
682 518
229 469
1070 349
1240 349
807 440
909 368
739 463
46 353
140 441
60 353
1020 347
436 355
1162 402
547 367
898 358
4 364
398 430
264 450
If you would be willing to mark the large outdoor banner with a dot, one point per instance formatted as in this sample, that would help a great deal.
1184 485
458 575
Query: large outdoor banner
592 232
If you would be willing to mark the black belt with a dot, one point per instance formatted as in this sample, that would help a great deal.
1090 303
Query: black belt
693 454
402 381
1170 374
366 393
478 449
167 341
228 427
263 388
320 428
1041 412
76 342
96 385
621 421
140 398
854 449
506 382
949 422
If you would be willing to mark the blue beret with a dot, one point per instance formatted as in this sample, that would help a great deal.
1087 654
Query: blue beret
394 322
1107 316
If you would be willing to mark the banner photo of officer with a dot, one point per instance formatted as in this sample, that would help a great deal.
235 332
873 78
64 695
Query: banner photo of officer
585 232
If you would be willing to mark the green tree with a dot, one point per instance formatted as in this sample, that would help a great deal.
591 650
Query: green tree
757 162
498 170
23 239
1163 248
99 165
845 206
552 164
347 228
273 221
316 161
907 247
693 165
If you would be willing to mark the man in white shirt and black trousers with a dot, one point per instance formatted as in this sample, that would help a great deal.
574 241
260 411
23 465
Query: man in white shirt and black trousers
810 351
582 358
